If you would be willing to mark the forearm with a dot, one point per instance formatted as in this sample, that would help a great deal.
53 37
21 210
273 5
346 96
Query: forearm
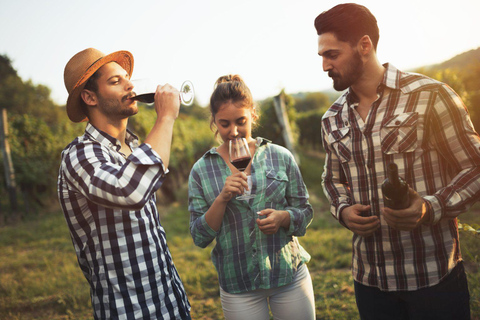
160 138
285 219
214 215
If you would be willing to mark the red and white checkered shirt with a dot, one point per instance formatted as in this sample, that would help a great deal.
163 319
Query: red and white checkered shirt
423 126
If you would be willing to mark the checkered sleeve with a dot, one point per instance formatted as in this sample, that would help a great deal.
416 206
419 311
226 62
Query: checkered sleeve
201 232
453 134
334 183
300 210
93 171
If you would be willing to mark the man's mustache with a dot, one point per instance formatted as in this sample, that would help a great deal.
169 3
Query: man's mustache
332 74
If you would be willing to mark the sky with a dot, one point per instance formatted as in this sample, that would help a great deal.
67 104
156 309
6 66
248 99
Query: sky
272 44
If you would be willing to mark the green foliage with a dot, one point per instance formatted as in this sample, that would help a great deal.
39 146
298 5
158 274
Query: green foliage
34 154
268 124
38 131
40 278
196 111
312 101
310 109
475 228
192 137
309 124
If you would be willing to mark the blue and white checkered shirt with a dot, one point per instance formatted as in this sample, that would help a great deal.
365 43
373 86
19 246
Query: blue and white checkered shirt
109 204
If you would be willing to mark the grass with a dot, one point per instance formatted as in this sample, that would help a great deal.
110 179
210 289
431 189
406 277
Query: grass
40 277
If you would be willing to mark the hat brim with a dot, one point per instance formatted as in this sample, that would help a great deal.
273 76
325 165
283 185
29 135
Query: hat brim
74 108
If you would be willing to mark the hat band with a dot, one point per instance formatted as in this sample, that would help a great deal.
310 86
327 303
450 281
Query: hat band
86 71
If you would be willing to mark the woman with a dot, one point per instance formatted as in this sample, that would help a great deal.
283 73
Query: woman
257 255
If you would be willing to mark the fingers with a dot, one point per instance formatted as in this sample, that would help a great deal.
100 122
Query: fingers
265 221
267 226
167 101
409 218
365 229
234 185
354 219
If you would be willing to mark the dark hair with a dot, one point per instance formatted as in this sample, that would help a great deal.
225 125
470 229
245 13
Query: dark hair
349 22
231 89
91 85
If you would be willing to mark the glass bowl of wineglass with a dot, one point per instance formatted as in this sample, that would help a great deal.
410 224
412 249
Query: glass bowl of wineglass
145 91
240 157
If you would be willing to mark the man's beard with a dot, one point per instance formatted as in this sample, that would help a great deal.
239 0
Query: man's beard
353 72
112 107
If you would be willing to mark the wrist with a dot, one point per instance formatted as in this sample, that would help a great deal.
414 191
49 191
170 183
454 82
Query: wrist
285 219
427 209
222 200
165 119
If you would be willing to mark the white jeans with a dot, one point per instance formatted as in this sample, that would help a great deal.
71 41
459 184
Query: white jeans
292 301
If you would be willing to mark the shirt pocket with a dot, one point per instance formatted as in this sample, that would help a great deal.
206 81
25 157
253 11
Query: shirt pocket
399 133
276 186
341 141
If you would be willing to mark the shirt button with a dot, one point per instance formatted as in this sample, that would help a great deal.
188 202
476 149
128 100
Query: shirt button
346 123
397 122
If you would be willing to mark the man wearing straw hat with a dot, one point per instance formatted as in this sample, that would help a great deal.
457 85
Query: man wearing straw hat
106 186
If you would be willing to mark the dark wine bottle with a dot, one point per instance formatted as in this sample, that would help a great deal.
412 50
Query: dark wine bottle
395 189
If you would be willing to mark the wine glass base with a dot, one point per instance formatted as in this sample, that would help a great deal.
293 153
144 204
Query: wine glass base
246 197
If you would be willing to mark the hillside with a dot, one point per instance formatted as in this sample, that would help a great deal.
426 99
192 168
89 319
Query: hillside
460 61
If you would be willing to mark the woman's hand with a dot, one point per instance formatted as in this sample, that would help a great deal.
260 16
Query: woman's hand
270 220
234 185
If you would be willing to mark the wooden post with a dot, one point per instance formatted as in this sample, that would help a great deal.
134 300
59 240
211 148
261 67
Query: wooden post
7 160
282 116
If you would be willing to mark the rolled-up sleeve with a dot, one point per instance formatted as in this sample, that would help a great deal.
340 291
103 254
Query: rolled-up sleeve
300 210
89 169
201 232
457 141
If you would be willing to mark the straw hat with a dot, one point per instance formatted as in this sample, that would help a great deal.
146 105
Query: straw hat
81 67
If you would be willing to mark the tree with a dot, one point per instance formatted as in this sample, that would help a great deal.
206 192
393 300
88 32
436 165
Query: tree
35 154
38 131
312 101
268 125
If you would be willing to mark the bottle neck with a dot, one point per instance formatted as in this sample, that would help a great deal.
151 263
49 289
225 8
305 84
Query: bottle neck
392 174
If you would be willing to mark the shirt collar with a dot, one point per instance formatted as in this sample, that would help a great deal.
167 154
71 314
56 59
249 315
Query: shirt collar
391 79
109 141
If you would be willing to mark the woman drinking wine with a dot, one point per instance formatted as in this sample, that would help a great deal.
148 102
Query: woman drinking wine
259 260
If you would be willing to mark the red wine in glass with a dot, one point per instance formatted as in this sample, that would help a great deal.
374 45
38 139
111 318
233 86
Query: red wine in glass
145 91
145 98
241 163
240 157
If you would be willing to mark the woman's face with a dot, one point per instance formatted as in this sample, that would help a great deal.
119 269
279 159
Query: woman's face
233 120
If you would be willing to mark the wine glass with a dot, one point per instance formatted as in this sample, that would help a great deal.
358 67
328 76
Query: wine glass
240 157
145 91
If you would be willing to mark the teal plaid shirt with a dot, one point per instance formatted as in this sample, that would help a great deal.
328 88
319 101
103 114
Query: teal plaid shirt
245 258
